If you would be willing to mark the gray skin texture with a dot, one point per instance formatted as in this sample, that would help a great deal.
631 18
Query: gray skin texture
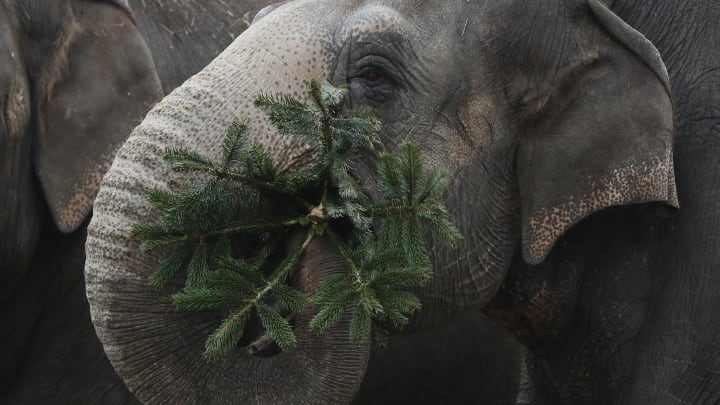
50 351
184 35
573 130
75 78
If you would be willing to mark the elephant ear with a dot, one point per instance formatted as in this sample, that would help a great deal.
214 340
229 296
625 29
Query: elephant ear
98 85
603 137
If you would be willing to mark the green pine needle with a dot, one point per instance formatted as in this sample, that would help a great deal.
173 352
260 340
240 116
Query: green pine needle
360 324
170 266
234 144
199 268
206 299
224 339
277 327
182 160
289 298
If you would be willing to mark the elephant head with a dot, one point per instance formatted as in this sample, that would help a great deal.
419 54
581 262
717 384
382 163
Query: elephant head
75 77
538 127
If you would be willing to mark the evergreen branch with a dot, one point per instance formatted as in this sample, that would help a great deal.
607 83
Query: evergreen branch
411 166
302 180
400 278
206 299
162 199
291 117
154 236
242 178
322 101
276 326
182 160
360 324
355 272
287 266
332 289
327 94
170 266
390 177
392 210
381 335
435 185
332 309
398 306
289 298
226 336
199 268
436 216
281 273
200 221
233 144
234 277
190 209
175 237
358 132
260 165
359 282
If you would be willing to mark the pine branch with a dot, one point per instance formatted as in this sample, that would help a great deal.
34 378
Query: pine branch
233 144
277 327
206 299
226 336
170 266
182 160
197 225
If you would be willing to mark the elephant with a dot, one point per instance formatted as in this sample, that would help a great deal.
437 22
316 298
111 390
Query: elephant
50 351
77 76
580 137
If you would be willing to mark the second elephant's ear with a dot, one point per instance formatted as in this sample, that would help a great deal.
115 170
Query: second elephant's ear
603 137
97 85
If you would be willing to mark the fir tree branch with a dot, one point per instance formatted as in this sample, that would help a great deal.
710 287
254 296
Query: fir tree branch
173 237
199 223
360 284
226 336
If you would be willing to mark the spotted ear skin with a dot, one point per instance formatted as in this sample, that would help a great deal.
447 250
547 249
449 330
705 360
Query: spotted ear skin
101 84
604 138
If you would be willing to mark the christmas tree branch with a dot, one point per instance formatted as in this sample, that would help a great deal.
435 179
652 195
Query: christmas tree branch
199 224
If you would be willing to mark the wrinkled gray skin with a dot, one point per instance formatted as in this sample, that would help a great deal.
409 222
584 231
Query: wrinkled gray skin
50 351
572 129
75 77
184 35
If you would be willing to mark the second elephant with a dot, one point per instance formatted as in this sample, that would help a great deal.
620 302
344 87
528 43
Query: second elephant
582 141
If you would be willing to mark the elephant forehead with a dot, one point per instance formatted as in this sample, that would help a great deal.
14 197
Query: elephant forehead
371 18
280 54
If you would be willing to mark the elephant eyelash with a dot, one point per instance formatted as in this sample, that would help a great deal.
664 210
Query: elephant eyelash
372 76
377 65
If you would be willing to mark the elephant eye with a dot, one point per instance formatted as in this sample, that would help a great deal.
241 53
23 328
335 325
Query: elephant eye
372 76
373 70
373 79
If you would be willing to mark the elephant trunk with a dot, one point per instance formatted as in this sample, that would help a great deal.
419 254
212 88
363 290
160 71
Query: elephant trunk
156 349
